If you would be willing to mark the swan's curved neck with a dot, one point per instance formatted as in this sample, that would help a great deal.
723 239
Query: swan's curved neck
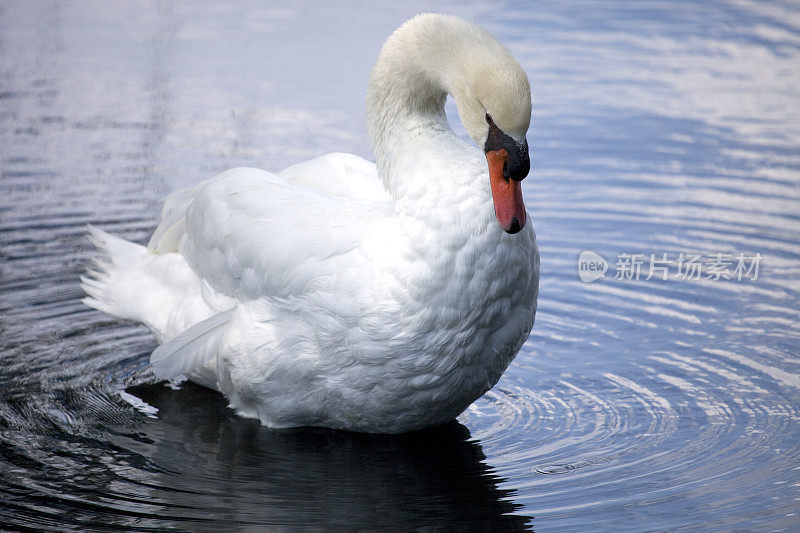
406 95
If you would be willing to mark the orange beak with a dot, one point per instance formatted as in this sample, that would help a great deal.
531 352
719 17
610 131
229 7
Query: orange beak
506 193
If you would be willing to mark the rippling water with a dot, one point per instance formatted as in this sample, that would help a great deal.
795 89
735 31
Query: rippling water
670 128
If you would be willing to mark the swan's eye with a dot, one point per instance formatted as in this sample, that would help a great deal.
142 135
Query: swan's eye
488 118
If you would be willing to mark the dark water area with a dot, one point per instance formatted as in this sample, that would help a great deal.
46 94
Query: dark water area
665 139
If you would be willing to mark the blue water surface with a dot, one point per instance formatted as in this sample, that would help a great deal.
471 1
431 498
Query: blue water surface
656 397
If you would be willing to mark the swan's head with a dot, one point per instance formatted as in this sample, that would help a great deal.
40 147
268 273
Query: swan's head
433 54
493 96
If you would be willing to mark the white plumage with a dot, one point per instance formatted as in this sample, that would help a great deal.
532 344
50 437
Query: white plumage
337 293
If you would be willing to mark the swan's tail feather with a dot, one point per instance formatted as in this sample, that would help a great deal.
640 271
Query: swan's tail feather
111 270
128 281
191 349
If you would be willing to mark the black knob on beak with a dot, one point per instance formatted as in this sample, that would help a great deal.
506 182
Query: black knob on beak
519 161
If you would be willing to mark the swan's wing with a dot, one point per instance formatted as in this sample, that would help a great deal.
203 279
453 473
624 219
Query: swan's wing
251 234
339 174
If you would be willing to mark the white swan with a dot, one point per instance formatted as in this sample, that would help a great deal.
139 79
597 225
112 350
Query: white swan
337 294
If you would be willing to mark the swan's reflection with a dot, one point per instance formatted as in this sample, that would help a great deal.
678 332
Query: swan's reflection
233 470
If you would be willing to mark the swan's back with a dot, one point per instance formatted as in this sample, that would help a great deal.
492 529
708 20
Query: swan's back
342 175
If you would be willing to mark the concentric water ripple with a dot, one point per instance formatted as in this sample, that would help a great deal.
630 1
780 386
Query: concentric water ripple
637 404
580 443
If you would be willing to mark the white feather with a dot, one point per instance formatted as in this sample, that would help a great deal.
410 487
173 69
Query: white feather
190 350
